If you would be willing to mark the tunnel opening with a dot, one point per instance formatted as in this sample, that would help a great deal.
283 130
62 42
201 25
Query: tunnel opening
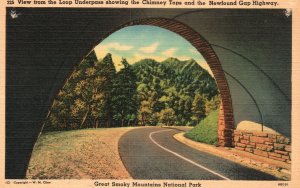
201 46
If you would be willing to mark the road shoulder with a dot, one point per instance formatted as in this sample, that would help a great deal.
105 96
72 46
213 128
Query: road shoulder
276 168
78 154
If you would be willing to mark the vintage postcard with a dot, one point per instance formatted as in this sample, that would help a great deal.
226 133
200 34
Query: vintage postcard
149 93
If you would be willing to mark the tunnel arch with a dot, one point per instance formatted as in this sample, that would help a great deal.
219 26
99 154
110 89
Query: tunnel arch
226 119
42 52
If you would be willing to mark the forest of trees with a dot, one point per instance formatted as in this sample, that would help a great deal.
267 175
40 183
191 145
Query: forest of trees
171 92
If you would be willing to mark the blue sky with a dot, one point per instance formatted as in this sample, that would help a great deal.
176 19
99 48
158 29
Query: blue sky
139 42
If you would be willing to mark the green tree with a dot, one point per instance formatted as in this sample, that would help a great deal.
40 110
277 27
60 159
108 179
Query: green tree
198 109
212 105
124 99
91 99
83 99
107 69
167 116
145 112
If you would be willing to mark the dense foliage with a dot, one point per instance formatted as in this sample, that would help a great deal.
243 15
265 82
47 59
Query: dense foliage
84 100
171 92
174 92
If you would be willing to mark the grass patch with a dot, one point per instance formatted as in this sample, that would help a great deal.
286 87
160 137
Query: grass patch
207 130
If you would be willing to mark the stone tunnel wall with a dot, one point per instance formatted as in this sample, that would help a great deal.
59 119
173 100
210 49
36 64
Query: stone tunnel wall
269 145
225 131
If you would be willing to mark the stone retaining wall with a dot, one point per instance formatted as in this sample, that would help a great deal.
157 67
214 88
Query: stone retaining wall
264 144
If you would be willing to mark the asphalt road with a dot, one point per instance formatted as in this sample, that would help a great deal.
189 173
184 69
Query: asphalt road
153 153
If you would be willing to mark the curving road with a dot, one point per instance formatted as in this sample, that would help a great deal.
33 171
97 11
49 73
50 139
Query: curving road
153 153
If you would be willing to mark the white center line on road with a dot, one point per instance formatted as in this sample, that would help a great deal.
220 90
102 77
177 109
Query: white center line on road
182 157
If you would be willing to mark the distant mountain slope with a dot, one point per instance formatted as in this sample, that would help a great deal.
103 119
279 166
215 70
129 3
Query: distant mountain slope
182 88
184 75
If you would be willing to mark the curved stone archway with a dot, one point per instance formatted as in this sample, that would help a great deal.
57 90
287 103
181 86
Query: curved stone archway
226 120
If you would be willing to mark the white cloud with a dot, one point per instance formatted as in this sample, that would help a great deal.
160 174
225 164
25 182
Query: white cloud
149 49
117 46
169 52
138 56
102 49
